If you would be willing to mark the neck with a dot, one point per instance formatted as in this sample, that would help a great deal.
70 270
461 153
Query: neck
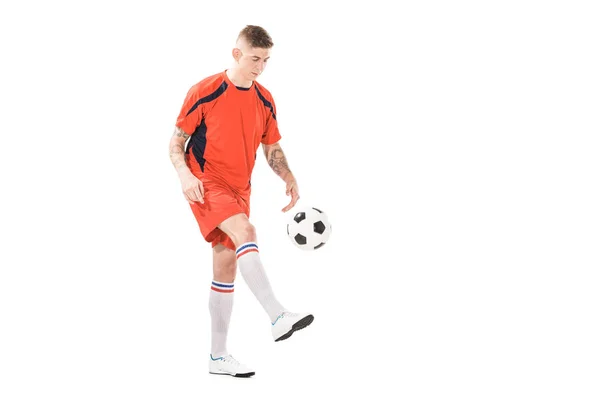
235 76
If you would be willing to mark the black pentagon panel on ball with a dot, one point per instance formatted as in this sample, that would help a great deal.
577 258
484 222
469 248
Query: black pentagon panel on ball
300 239
319 245
299 217
319 227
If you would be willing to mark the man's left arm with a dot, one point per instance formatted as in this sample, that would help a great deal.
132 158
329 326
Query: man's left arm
279 165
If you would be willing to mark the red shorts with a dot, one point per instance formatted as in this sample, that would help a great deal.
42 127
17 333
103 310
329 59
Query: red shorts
220 203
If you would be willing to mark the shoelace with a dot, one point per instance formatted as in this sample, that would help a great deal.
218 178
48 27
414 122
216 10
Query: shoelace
231 360
289 314
283 315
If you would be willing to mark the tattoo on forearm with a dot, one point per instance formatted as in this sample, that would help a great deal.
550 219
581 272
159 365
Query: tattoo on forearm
180 133
278 162
176 152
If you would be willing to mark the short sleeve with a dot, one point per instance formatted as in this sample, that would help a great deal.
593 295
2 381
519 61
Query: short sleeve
190 115
271 134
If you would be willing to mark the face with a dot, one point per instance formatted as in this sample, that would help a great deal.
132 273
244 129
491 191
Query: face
251 61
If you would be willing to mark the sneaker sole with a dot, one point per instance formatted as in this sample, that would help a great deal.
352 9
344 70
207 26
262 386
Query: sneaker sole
244 375
303 323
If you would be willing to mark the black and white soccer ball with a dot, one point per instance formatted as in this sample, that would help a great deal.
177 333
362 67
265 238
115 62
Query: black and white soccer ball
309 228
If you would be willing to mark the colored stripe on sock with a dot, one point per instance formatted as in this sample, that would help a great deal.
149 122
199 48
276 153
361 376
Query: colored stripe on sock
222 287
245 249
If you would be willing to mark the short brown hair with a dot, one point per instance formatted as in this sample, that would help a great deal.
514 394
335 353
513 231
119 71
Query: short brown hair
256 37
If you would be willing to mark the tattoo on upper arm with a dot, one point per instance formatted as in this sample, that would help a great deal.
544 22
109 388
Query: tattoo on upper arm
180 133
278 162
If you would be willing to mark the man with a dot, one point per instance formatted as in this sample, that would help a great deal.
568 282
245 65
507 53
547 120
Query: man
226 116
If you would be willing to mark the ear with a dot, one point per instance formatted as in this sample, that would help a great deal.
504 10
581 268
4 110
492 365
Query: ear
236 53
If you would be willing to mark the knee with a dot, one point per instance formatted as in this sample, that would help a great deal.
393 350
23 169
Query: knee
245 233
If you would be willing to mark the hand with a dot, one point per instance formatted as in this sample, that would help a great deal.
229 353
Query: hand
291 189
193 190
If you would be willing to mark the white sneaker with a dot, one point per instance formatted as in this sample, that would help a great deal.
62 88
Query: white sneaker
227 365
287 323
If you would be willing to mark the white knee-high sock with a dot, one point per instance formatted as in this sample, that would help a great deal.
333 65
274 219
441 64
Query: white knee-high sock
254 274
220 304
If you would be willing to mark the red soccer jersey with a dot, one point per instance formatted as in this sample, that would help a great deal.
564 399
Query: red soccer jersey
227 124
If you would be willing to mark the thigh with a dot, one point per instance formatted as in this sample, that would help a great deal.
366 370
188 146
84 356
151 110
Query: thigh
220 203
234 223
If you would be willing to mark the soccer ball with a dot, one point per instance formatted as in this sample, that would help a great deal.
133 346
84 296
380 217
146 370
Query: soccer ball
309 228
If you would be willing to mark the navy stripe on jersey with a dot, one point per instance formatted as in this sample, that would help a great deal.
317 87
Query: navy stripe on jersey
266 102
197 143
209 98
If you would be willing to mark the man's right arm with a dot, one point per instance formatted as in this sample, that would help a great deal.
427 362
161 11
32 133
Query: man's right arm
192 187
177 152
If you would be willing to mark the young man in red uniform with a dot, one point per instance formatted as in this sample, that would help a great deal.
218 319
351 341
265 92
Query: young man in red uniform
226 117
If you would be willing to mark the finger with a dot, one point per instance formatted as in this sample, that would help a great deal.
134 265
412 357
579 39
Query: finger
192 196
289 206
292 204
200 191
294 191
187 198
291 189
198 195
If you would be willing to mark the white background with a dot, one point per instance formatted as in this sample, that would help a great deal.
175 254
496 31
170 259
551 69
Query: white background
453 145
